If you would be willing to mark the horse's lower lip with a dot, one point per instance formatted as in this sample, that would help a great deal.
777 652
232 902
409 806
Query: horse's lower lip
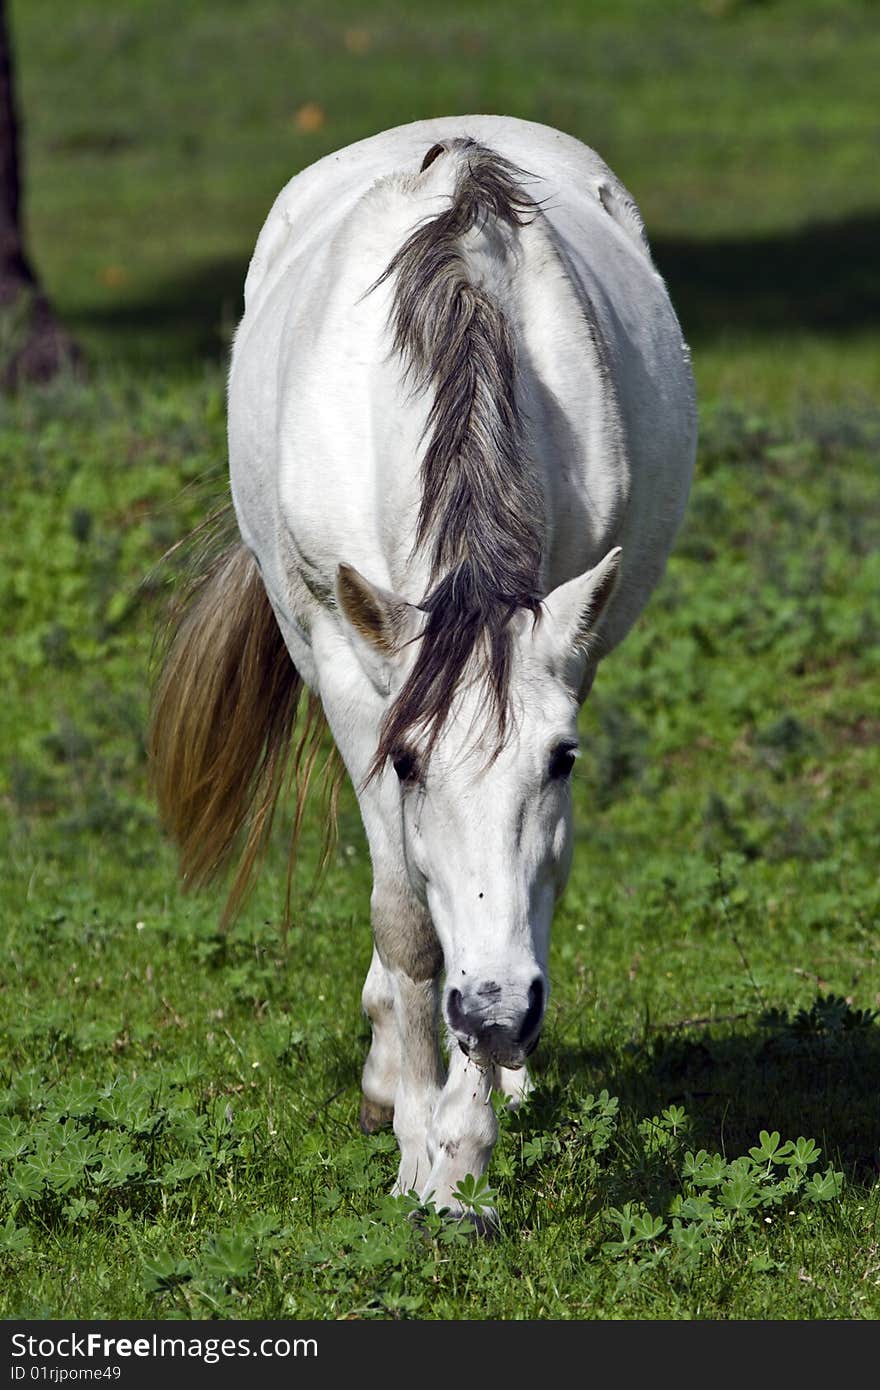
474 1054
511 1061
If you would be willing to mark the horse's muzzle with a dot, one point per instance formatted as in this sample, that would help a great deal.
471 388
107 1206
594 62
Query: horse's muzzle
489 1030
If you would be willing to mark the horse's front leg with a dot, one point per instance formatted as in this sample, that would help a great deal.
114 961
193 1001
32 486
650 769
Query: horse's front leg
462 1133
421 1079
382 1068
409 954
517 1085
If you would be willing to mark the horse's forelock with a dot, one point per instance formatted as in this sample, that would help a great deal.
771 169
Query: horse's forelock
459 639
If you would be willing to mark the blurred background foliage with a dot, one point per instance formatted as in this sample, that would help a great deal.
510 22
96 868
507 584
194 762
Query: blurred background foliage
159 132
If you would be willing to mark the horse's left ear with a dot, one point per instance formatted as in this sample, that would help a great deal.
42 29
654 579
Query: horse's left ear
575 608
378 623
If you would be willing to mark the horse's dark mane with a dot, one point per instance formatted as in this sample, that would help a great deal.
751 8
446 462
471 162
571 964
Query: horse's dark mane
481 508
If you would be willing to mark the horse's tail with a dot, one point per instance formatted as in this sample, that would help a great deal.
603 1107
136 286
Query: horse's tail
221 738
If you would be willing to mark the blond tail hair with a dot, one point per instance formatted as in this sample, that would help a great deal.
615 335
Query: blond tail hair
221 738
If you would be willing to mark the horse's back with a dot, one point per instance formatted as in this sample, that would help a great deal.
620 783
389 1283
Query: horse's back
316 432
313 203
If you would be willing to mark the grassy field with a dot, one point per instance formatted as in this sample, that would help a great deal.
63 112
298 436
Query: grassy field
178 1108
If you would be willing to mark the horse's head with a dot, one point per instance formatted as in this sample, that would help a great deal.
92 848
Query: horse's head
486 821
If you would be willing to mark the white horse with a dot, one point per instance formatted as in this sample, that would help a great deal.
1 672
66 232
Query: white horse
461 438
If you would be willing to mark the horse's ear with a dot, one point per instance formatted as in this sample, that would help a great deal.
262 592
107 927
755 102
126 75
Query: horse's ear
575 608
378 623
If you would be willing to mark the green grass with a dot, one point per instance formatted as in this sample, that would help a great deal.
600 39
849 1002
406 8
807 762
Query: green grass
178 1108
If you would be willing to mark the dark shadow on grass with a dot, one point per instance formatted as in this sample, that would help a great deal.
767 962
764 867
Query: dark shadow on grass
824 277
735 1082
186 319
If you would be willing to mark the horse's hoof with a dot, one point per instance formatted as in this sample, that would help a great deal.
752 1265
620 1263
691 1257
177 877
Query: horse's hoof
485 1223
374 1116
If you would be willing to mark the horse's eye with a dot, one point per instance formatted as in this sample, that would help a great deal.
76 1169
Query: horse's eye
405 765
562 760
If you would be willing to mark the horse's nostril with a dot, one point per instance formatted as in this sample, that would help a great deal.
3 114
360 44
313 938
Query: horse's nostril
458 1019
534 1011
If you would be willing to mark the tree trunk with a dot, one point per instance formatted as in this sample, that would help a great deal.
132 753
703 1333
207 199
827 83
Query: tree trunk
33 344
